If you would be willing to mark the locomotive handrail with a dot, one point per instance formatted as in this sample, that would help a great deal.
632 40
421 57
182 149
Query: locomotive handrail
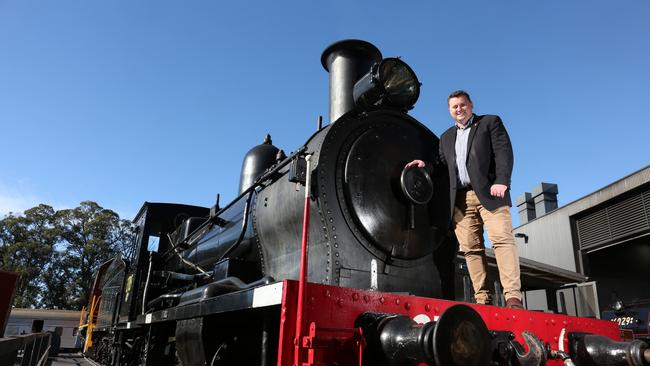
212 220
242 231
227 252
304 264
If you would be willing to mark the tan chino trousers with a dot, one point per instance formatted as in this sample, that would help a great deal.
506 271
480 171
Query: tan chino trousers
469 218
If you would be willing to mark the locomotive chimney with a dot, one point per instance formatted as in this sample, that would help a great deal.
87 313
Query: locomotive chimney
347 61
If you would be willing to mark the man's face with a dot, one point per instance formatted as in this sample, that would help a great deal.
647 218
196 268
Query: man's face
460 109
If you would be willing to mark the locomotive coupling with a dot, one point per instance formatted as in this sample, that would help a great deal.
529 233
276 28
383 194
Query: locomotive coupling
507 351
536 355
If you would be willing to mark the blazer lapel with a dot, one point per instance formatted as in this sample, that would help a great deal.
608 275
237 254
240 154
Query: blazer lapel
472 132
452 144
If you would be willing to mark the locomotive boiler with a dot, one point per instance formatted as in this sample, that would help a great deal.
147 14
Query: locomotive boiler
217 285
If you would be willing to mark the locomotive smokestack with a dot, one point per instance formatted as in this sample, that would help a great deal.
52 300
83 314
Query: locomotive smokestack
347 61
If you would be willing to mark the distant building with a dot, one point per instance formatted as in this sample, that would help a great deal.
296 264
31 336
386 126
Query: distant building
26 321
603 237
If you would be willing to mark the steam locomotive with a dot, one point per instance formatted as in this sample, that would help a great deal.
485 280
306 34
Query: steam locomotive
328 256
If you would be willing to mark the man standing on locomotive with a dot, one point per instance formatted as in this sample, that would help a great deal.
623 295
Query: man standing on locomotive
478 154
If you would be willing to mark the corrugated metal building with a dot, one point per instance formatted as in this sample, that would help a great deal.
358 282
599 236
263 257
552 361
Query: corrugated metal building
603 237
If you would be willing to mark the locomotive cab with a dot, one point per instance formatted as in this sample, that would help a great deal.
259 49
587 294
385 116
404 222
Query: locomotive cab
156 224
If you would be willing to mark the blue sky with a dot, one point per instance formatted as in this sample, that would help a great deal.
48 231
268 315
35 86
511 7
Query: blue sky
123 102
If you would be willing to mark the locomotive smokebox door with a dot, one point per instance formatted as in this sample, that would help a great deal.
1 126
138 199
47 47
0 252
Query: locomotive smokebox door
374 188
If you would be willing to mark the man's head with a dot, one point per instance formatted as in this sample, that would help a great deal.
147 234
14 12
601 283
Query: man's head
460 106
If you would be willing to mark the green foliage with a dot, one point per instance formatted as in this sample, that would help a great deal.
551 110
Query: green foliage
56 252
26 246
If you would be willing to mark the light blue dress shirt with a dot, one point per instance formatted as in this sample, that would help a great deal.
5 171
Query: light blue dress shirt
462 136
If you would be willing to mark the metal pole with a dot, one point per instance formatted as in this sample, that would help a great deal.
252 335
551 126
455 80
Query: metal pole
303 265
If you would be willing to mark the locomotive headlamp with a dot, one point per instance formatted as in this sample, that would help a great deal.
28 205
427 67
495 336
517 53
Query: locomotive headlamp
618 305
390 83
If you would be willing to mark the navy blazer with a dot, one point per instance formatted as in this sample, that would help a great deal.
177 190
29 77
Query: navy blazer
489 160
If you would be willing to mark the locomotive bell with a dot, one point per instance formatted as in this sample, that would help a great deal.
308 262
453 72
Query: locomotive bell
256 161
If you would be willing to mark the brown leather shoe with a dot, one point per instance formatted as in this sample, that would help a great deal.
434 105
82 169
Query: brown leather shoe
514 303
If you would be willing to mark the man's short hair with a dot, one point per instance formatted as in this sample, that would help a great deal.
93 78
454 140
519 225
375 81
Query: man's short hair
459 93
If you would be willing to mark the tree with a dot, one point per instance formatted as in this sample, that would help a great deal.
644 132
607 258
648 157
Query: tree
26 246
56 252
91 235
58 283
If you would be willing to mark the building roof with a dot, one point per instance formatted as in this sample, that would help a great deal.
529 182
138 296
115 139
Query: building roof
612 190
546 273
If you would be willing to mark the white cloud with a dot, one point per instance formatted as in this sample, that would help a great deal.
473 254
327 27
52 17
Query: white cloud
16 198
19 195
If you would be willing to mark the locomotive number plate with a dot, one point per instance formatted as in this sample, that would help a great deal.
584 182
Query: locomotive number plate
625 320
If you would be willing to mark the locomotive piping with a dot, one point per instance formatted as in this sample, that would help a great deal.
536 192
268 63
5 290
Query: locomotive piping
243 228
193 265
146 284
248 191
259 180
563 356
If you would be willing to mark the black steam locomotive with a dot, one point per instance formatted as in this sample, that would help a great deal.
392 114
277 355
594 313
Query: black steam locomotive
215 286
